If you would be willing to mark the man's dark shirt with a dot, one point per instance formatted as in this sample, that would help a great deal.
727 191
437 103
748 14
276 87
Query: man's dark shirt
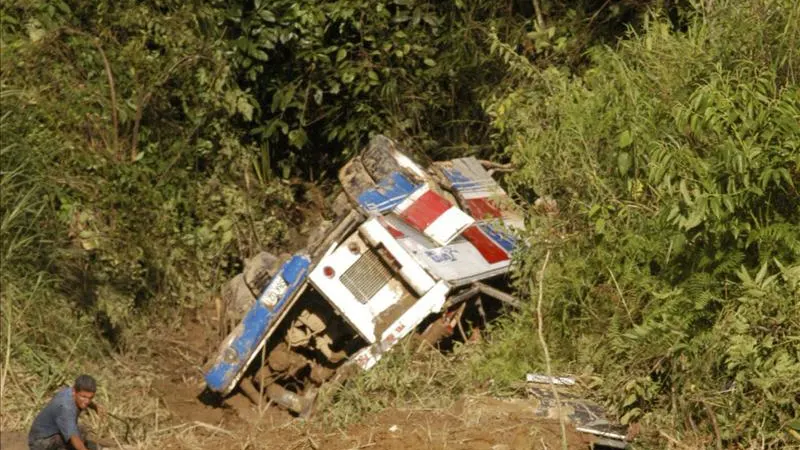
60 416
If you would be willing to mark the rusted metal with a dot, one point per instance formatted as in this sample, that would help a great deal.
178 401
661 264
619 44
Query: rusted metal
345 226
498 294
586 416
415 247
300 404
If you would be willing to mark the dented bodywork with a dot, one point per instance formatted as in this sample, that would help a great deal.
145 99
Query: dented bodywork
243 343
418 248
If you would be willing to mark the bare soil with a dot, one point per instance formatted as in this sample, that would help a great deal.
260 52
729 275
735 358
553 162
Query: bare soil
482 424
471 423
183 421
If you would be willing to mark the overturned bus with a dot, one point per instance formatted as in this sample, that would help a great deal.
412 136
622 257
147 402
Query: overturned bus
416 251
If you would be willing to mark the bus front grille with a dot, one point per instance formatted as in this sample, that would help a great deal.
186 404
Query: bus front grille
367 276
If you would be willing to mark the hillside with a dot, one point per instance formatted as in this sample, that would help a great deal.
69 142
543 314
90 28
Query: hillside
148 148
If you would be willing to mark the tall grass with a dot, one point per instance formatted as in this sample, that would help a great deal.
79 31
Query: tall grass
43 344
97 245
675 160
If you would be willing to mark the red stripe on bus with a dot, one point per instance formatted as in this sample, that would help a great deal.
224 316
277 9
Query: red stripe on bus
394 232
425 210
482 208
490 251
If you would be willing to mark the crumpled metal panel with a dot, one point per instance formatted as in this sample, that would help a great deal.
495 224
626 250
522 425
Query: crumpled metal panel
242 344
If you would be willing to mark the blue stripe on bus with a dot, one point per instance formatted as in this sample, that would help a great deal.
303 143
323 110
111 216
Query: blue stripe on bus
389 193
502 239
255 326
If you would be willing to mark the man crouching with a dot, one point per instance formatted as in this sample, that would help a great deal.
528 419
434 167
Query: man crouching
56 426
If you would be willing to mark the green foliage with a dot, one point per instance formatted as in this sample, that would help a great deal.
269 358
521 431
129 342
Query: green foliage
127 189
148 146
152 141
675 160
409 375
322 76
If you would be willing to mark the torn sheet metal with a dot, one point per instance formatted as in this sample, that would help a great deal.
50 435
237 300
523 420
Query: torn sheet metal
407 239
585 415
544 379
473 256
429 303
478 193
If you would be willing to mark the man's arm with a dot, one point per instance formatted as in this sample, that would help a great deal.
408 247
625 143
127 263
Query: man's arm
67 422
77 443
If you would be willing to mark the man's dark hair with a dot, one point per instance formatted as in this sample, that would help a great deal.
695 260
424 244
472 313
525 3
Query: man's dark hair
85 383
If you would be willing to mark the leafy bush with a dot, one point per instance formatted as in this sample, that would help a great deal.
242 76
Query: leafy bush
675 160
321 76
126 185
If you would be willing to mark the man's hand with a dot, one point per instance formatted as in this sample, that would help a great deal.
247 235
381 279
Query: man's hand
77 442
99 409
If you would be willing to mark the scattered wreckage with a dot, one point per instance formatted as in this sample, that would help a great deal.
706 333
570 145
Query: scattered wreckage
416 251
565 398
414 248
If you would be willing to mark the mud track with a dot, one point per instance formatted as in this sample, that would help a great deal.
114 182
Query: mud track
175 361
471 423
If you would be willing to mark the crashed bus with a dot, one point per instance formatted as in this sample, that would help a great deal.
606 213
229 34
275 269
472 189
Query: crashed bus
416 246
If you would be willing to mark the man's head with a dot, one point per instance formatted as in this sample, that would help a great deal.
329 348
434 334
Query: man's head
83 390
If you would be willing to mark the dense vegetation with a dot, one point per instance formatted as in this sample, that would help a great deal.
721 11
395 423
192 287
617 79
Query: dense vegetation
676 161
147 147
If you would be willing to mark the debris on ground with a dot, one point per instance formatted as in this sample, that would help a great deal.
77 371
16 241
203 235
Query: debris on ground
560 396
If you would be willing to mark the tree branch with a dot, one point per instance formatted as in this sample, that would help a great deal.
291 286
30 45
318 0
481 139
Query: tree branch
547 353
144 99
110 76
539 18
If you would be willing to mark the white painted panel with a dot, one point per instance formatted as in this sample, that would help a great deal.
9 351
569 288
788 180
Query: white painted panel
458 263
387 296
449 225
467 266
431 302
410 269
353 310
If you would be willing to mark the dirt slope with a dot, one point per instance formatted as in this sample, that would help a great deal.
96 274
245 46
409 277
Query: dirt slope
170 415
472 423
480 424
